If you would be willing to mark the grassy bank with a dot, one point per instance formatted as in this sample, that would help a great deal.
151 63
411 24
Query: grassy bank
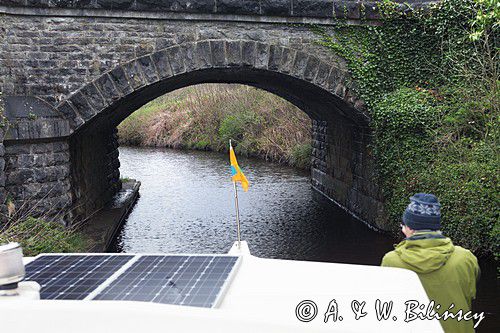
205 117
39 236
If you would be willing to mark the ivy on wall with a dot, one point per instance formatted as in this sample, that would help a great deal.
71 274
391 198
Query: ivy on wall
430 79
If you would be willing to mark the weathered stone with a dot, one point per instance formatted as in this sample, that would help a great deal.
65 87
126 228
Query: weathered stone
287 60
314 8
202 55
311 68
372 12
340 90
218 53
69 112
276 7
333 79
238 6
38 3
275 53
52 147
322 75
50 174
303 8
107 89
114 4
248 53
261 55
347 9
195 6
93 96
233 52
44 160
162 64
189 56
19 177
134 74
88 66
300 64
41 128
361 106
13 2
148 69
69 3
82 106
176 58
120 79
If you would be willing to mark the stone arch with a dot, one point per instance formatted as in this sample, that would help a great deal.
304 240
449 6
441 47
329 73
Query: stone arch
341 162
313 84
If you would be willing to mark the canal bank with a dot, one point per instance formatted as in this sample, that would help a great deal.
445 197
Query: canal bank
102 228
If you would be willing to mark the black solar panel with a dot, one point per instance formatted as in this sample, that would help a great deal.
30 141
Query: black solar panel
72 276
181 280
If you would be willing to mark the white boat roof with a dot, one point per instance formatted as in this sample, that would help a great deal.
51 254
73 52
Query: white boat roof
262 295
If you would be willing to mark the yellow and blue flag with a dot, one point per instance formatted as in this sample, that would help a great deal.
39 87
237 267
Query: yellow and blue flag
236 173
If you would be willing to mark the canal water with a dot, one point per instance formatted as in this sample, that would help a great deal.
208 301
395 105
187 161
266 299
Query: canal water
186 205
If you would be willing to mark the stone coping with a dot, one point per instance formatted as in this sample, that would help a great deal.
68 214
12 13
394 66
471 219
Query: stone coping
103 227
327 9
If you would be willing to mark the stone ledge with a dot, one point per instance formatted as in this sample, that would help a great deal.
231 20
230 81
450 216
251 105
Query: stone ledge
329 9
32 118
103 227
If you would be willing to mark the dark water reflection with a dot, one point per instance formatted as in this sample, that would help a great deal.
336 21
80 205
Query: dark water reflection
187 205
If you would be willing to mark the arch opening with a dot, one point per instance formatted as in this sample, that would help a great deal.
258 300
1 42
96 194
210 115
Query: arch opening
339 135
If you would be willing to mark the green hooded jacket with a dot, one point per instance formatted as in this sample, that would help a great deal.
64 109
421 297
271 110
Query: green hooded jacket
448 273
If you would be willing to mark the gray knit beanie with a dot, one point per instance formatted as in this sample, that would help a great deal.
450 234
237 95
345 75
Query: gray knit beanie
423 212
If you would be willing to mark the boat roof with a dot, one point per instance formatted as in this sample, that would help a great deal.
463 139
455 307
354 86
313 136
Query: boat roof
270 295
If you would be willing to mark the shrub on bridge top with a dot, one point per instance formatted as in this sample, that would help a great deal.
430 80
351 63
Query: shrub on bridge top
430 79
403 122
412 157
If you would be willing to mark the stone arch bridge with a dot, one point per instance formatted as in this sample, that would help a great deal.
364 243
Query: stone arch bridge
72 70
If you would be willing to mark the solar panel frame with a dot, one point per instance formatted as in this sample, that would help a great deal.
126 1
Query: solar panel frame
92 292
146 269
72 276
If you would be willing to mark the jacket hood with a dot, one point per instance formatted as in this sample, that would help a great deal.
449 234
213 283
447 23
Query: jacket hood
424 254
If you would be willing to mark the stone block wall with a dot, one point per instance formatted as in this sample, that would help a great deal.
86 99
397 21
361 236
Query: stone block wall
38 178
3 194
64 181
326 9
95 169
343 170
52 57
113 163
86 73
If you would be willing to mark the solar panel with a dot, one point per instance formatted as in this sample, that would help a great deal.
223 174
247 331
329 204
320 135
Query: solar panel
170 279
72 276
174 279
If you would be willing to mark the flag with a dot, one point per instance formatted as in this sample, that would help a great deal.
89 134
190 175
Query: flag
237 174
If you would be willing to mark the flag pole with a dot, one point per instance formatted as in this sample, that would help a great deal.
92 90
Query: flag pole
236 207
237 213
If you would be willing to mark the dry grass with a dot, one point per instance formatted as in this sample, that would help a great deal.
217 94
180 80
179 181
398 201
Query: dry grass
41 234
206 116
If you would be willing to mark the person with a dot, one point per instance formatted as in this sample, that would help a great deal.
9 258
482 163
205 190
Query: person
448 273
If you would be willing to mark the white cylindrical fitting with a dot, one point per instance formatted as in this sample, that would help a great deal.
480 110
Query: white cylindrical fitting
11 265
